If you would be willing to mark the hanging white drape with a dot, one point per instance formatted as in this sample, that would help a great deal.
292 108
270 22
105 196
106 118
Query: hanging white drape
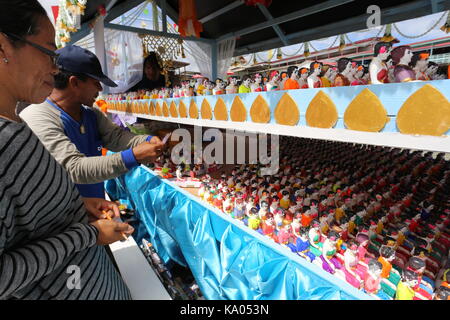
124 56
225 50
201 53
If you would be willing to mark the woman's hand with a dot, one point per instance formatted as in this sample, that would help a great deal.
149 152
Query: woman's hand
110 231
97 207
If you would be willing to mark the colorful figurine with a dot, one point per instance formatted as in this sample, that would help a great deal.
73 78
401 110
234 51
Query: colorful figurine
379 72
329 262
285 202
301 246
273 83
227 205
245 86
405 289
291 82
232 87
315 70
354 272
256 84
253 220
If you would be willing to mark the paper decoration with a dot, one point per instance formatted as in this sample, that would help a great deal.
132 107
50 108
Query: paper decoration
365 113
425 112
321 112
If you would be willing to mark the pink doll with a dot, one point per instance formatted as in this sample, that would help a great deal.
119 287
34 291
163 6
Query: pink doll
284 234
274 82
363 241
372 280
353 275
329 262
256 84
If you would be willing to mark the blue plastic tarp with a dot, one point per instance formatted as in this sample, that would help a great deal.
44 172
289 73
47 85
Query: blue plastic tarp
227 259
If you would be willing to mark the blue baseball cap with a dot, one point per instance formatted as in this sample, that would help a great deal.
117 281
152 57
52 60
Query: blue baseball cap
78 60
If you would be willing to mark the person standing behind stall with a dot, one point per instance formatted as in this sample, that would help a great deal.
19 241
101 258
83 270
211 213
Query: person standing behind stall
75 133
151 76
44 226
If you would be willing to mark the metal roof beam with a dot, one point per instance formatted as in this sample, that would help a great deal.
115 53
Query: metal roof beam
156 33
221 11
275 27
438 5
288 17
122 8
84 31
164 13
389 15
171 12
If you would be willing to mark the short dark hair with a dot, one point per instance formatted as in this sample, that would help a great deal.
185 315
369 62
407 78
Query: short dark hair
379 45
246 77
63 76
398 52
342 63
20 18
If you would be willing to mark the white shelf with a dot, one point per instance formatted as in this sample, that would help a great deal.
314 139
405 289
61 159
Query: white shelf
389 139
137 273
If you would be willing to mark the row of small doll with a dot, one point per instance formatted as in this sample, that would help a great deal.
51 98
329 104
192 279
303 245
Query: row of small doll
284 203
376 267
313 202
283 232
283 236
382 69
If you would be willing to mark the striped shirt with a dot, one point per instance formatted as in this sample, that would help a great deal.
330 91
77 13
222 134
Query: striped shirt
45 238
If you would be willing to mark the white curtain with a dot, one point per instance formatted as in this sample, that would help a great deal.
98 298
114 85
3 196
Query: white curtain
225 52
124 56
201 53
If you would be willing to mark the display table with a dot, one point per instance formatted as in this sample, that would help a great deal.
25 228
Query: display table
227 259
139 277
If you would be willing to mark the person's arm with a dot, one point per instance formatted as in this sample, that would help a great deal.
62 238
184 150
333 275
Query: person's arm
115 138
48 127
80 168
22 265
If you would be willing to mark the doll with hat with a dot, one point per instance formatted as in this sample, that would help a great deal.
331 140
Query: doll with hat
419 63
314 80
379 71
274 81
402 56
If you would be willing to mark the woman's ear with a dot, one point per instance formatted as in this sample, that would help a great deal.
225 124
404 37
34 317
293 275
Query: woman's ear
5 48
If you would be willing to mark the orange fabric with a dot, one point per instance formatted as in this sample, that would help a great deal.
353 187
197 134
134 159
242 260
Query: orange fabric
291 84
387 267
188 13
